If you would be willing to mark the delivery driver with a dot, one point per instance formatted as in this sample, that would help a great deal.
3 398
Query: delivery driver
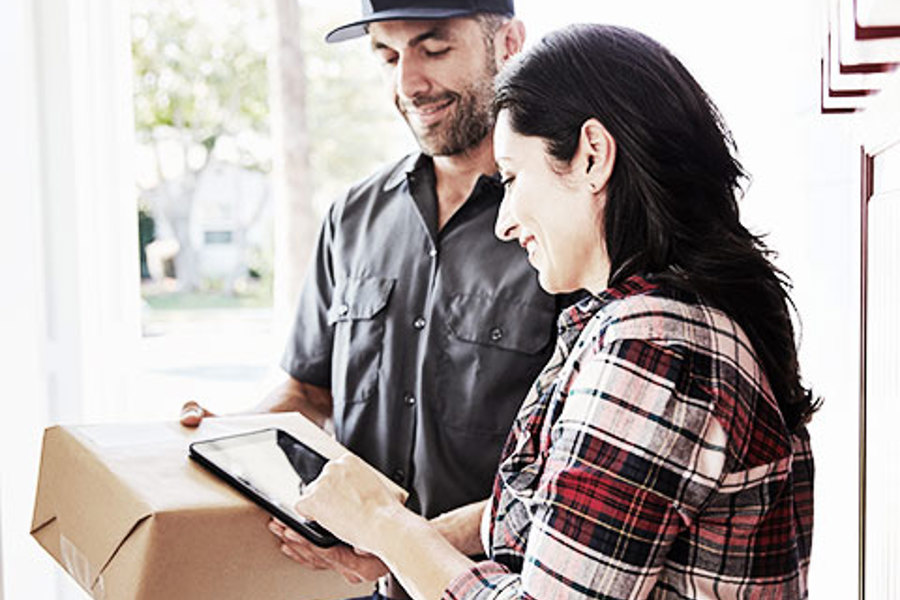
418 332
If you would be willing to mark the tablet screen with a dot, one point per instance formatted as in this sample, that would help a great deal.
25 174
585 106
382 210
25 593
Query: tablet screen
270 463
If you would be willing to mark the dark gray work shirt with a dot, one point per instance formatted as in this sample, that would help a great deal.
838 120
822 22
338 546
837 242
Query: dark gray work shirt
428 340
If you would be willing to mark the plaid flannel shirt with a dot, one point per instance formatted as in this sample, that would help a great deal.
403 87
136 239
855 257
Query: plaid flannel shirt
650 460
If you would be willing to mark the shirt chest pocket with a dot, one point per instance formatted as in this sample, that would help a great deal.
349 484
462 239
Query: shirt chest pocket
357 316
518 327
494 351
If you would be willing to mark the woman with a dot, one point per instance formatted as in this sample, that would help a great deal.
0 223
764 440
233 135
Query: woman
662 452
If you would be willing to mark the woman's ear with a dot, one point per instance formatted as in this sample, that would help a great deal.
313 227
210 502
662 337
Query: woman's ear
596 154
508 41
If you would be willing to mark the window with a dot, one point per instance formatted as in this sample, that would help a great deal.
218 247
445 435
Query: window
217 237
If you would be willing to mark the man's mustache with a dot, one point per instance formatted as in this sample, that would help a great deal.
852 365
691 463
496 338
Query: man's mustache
419 101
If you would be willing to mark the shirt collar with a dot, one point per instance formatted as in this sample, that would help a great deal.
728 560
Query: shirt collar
417 162
574 319
409 165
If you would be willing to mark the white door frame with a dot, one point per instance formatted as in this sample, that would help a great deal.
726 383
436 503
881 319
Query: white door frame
70 245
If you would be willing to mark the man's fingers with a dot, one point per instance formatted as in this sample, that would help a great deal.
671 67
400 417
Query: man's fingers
192 414
351 578
276 528
301 547
297 542
371 570
353 567
337 558
294 536
349 574
303 557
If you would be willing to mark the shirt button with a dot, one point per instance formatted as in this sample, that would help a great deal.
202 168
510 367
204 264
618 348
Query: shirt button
398 476
409 400
343 309
419 323
496 334
432 253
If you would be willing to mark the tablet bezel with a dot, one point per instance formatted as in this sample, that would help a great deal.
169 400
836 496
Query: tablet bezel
310 530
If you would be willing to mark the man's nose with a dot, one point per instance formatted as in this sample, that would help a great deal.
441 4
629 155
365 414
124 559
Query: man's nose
505 226
412 79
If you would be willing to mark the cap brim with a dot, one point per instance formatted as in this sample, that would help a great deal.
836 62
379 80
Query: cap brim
358 28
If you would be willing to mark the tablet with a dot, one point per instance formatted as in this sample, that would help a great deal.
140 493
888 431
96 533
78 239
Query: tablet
270 467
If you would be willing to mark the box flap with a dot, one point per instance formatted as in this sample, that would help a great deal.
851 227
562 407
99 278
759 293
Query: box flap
82 513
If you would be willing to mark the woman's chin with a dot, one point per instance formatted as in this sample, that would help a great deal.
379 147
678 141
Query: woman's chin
548 283
554 285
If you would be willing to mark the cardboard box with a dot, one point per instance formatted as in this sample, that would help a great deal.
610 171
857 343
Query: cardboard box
125 511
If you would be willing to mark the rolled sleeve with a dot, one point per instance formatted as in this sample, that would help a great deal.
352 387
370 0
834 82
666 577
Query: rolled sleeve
307 354
486 580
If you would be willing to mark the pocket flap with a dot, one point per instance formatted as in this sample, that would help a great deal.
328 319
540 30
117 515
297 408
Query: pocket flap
359 298
517 326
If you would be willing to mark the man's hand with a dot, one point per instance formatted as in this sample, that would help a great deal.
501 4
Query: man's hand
192 414
291 395
355 566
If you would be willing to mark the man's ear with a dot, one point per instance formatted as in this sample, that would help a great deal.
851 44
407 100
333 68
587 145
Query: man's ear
595 155
508 41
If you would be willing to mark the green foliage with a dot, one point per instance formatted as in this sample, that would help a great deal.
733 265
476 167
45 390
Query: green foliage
258 297
200 72
353 125
146 234
201 90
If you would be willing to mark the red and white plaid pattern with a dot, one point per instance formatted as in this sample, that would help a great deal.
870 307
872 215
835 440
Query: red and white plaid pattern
650 460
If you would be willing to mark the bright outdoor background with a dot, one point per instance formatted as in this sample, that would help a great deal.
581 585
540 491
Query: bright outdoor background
206 204
199 262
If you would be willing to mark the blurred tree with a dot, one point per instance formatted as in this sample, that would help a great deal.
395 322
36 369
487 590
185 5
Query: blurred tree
146 233
202 93
353 125
295 220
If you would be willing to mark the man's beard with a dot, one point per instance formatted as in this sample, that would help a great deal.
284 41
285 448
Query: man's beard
471 121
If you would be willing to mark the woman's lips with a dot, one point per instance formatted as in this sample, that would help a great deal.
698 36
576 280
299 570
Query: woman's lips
529 244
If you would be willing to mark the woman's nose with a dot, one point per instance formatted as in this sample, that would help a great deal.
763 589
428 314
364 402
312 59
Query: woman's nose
505 227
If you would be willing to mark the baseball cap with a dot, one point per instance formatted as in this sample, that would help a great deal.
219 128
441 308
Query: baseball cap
410 10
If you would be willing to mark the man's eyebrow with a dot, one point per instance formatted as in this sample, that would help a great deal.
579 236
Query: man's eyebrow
438 32
379 46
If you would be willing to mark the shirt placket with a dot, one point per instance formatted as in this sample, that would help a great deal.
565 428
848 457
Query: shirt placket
419 317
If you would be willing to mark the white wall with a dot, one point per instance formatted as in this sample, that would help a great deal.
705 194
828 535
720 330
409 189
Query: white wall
1 541
24 406
68 245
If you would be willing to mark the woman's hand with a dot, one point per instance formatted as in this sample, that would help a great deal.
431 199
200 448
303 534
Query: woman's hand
350 500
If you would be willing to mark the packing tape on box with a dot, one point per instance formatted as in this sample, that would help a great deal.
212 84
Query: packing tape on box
79 567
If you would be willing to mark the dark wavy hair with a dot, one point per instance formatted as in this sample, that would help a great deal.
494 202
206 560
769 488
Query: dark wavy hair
671 208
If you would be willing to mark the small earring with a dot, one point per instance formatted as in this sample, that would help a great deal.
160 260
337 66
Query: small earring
593 187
